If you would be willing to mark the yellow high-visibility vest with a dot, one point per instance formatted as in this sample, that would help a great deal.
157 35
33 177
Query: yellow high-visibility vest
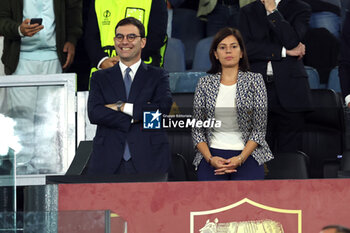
110 12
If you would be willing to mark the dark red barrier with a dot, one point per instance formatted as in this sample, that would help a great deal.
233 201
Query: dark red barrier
292 205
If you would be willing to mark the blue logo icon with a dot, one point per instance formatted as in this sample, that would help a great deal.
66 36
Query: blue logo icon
151 120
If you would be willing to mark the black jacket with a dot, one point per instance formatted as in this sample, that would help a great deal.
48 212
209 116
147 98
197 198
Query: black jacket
344 66
265 36
149 149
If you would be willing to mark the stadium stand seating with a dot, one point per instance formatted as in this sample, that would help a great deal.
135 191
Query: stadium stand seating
322 52
174 60
323 139
180 140
288 166
81 159
313 77
173 77
201 61
184 81
188 81
333 81
324 133
189 29
344 171
182 152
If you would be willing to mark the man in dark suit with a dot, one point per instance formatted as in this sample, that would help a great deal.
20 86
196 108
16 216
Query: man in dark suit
273 31
344 66
117 99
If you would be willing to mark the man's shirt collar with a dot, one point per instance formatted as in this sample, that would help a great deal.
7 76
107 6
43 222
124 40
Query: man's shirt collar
133 68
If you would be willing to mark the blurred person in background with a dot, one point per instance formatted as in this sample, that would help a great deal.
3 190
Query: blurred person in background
344 66
273 31
46 46
326 14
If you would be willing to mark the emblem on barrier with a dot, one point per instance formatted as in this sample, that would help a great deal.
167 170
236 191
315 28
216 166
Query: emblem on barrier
243 227
246 216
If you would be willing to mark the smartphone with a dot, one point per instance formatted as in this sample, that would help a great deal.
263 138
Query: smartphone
36 20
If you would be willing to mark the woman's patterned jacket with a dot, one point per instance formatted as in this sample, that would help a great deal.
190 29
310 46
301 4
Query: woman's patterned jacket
251 99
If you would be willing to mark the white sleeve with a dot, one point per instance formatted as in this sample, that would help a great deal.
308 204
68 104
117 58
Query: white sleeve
347 100
128 108
284 52
19 31
102 60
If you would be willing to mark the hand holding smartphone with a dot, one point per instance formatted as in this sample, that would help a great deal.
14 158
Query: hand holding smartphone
36 20
30 27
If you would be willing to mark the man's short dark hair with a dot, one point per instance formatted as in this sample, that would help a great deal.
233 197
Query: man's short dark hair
339 229
132 21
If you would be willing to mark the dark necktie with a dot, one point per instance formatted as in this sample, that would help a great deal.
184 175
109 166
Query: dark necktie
127 82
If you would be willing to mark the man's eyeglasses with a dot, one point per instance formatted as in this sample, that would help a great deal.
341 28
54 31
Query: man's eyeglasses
130 37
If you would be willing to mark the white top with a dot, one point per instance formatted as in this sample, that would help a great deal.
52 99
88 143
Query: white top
347 100
228 136
42 45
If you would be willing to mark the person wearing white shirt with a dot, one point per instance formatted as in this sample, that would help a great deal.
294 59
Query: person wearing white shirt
230 94
344 66
41 48
273 31
117 100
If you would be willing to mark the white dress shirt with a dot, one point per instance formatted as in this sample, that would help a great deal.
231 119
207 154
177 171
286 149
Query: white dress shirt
129 107
347 100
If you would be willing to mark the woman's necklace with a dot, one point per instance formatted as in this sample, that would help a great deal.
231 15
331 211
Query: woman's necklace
228 81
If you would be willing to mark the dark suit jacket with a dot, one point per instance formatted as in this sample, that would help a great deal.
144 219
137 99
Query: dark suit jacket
149 149
264 38
344 66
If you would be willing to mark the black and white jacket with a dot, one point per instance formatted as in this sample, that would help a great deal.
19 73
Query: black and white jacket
251 99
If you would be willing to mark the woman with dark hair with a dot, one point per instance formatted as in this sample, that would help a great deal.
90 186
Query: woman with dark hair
236 148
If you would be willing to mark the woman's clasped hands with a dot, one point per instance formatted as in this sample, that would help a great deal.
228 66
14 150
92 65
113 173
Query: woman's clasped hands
225 166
